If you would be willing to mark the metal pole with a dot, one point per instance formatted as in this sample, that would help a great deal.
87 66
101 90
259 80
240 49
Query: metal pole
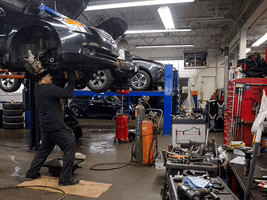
226 75
168 92
32 114
253 162
140 116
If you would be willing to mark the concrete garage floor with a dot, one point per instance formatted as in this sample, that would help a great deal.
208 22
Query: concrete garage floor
128 183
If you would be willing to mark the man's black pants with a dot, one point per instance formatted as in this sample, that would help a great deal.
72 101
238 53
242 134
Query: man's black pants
65 139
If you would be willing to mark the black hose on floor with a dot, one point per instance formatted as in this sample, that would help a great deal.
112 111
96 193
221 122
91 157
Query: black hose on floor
96 166
30 186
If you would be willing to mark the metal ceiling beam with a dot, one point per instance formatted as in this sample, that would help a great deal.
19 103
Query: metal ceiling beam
251 21
256 15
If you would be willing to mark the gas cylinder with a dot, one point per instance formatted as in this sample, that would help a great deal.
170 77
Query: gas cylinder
122 124
140 116
147 142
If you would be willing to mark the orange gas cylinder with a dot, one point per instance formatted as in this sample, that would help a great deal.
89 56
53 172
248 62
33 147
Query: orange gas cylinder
147 142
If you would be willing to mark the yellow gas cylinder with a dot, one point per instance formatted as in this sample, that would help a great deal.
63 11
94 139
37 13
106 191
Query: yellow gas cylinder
147 142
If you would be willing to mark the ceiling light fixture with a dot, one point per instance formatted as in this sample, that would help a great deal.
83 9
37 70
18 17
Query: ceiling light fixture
135 4
248 50
156 31
163 46
260 41
166 17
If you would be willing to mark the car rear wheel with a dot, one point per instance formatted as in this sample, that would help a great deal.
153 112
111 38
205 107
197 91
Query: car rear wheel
9 84
101 81
141 81
76 111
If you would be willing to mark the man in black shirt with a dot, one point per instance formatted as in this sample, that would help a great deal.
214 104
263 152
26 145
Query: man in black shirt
51 118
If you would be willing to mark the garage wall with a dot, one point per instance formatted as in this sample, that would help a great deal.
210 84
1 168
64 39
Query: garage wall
206 79
11 96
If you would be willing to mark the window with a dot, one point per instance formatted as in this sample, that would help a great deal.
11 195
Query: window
198 59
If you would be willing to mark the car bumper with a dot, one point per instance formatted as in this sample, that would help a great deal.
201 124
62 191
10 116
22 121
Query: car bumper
90 61
125 69
158 79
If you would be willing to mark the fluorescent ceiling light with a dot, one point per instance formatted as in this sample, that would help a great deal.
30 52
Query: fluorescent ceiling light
163 46
248 50
260 41
135 4
156 31
166 17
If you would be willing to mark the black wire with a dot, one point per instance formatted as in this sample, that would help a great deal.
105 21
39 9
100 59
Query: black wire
93 167
29 186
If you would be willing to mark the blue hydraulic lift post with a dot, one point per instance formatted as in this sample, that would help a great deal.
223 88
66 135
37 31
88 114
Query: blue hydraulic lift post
175 92
168 93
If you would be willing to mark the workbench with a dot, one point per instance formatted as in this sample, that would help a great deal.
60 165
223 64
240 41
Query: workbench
238 181
169 190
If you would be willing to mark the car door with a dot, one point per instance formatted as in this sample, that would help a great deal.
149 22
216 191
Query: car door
96 106
109 106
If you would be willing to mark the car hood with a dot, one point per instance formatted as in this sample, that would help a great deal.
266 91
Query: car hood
147 60
114 26
69 8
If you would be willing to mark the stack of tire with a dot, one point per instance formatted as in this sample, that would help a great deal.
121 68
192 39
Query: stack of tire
13 116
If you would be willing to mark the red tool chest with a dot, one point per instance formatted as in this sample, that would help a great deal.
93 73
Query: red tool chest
244 98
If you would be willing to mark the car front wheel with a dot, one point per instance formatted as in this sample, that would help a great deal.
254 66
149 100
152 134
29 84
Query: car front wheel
76 111
9 84
101 81
141 81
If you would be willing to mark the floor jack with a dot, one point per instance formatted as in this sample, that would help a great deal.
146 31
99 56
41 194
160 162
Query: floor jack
55 166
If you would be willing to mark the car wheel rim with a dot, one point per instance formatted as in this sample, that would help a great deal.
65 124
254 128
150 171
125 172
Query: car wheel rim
7 82
99 78
75 111
139 80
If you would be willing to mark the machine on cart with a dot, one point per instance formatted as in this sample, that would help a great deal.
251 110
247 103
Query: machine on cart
192 163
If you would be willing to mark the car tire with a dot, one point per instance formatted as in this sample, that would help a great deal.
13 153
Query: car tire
9 84
13 125
76 111
12 112
101 81
141 81
13 116
13 119
13 106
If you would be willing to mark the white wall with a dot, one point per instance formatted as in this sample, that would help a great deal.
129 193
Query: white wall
11 96
204 80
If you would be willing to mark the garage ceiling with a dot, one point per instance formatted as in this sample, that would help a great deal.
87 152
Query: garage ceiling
214 23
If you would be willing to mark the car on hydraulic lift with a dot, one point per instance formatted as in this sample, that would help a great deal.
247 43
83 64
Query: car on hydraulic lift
118 79
30 35
150 76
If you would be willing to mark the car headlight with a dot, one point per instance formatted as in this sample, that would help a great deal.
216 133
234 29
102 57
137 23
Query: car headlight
74 25
158 66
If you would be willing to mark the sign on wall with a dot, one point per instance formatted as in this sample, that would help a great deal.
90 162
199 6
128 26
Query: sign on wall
198 59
